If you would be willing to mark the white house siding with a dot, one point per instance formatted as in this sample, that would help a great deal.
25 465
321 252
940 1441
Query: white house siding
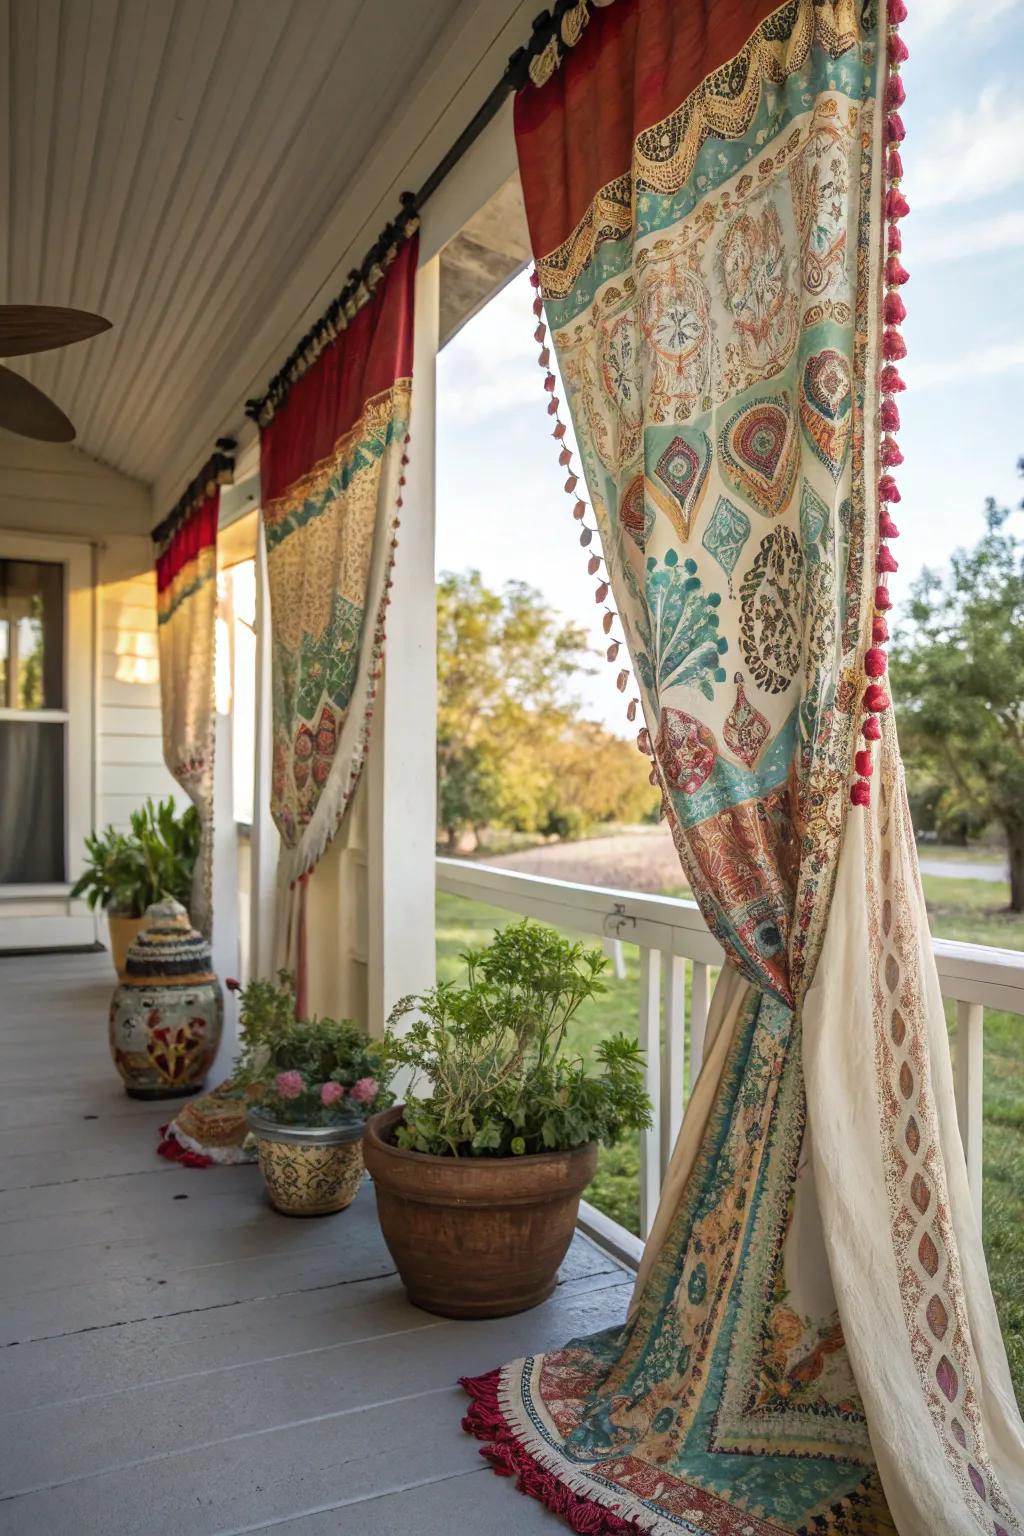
130 762
54 491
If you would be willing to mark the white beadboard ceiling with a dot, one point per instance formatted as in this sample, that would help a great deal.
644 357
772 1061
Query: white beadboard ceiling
171 163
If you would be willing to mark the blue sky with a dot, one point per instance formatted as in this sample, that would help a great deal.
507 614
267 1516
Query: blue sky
501 507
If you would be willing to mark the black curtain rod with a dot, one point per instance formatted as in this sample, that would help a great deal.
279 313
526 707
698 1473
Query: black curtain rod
546 29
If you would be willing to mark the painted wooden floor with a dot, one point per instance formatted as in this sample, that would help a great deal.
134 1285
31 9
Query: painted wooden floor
180 1361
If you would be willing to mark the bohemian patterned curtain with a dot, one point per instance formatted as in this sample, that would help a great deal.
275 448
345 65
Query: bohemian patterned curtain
333 434
713 197
186 582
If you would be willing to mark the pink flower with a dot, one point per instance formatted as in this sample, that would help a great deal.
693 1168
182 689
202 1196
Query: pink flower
365 1090
289 1084
330 1093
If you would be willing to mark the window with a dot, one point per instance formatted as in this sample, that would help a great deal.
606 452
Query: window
33 723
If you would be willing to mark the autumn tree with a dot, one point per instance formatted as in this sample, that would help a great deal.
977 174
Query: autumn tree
512 750
958 679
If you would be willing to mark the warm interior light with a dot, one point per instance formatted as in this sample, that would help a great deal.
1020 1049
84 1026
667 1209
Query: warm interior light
137 656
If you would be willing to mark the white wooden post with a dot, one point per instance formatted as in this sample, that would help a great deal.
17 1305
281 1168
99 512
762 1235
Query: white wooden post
264 846
968 1080
225 893
698 1018
673 1059
650 1044
402 813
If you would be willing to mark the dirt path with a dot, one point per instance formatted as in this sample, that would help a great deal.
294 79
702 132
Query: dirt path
643 859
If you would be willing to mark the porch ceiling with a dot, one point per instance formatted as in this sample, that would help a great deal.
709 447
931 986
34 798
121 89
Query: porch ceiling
168 165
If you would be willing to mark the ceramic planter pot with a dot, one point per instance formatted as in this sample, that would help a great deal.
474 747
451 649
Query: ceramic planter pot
308 1170
475 1236
123 931
167 1013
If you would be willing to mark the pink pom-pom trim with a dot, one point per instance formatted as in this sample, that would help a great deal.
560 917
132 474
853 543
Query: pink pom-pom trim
894 311
889 416
860 793
864 763
891 381
896 273
894 348
876 700
896 205
875 662
888 490
871 730
895 129
887 529
887 561
883 602
890 454
895 95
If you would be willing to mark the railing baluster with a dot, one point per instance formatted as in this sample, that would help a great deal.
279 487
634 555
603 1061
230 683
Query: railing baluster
968 1080
699 994
673 1053
975 976
650 1044
613 949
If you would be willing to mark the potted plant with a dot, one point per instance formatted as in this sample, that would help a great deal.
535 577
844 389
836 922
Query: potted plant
311 1084
127 872
479 1178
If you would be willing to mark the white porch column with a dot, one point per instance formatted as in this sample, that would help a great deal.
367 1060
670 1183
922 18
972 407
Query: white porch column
401 770
225 894
265 839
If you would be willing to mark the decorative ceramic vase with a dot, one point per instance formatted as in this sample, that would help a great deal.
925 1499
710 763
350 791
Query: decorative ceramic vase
167 1013
475 1236
308 1170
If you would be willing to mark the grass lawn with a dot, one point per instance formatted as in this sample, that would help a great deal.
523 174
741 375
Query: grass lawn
967 910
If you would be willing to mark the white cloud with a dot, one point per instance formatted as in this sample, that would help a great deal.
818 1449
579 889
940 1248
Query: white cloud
930 16
985 237
490 366
972 154
983 363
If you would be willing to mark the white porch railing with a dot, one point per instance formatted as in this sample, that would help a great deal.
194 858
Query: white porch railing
672 939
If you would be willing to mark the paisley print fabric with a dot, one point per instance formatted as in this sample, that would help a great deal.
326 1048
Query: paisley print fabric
186 587
703 184
331 459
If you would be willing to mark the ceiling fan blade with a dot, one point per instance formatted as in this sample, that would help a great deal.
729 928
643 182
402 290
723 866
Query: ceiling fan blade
26 410
26 328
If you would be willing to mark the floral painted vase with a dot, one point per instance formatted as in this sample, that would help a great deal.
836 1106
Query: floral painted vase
167 1013
308 1170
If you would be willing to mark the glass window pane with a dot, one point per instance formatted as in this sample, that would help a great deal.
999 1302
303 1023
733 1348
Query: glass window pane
32 804
31 634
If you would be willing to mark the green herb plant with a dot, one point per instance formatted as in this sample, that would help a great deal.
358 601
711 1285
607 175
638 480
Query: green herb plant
502 1080
309 1072
126 872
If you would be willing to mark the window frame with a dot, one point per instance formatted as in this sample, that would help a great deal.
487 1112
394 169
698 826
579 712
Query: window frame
79 714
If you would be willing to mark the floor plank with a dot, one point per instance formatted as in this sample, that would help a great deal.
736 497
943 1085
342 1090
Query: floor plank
179 1358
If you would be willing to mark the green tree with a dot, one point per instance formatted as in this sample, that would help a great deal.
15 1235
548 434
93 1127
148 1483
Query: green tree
958 679
512 750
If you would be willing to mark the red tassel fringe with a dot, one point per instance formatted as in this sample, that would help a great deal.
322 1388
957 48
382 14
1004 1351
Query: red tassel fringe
894 312
580 508
172 1149
509 1458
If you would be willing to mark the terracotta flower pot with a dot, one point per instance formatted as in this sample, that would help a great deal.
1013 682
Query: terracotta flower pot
123 930
475 1236
308 1170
